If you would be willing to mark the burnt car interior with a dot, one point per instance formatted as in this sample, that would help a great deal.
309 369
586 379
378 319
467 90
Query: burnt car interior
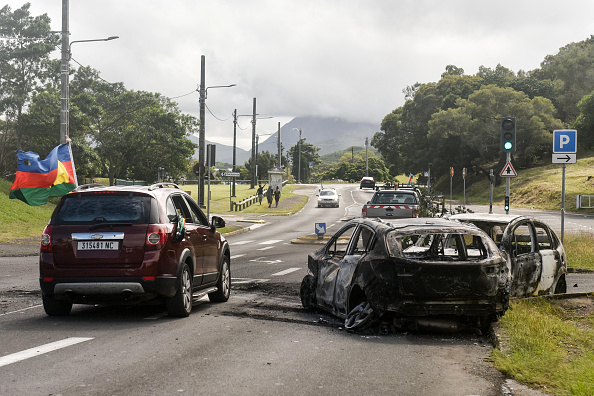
439 247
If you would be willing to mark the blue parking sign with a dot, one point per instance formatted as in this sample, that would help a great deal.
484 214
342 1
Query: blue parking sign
565 141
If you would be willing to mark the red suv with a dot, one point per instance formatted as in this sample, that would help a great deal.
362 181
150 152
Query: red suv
132 244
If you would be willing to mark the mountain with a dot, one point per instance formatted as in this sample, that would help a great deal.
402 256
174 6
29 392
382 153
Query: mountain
329 134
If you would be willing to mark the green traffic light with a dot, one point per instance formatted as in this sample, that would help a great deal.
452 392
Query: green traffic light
508 145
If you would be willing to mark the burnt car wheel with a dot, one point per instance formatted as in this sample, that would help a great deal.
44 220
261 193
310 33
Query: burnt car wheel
308 292
180 304
223 284
361 316
561 286
55 307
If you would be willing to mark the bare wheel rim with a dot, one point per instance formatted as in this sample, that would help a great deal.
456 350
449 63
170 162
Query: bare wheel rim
186 286
225 281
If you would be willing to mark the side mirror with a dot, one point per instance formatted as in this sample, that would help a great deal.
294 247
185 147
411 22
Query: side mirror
217 222
180 228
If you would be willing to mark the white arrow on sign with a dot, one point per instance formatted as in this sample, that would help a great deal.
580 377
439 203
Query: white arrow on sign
320 228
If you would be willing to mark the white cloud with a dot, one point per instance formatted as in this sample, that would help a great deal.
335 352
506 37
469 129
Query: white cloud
349 59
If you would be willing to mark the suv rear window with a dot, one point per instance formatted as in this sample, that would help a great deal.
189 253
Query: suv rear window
88 209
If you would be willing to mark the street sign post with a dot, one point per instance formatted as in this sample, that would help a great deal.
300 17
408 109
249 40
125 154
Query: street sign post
564 152
508 171
320 230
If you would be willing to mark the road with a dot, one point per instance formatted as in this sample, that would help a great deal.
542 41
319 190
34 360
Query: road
261 342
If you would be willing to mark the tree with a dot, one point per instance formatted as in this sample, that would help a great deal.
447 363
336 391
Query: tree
585 122
25 67
571 72
309 154
133 132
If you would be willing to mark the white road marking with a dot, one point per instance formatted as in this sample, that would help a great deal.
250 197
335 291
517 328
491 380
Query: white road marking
266 248
241 243
237 256
285 272
254 226
262 260
239 281
21 310
40 350
270 242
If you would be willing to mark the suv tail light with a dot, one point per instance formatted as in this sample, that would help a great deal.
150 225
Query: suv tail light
46 239
156 236
364 211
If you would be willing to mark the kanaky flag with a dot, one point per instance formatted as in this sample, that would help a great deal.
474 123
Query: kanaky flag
36 180
410 178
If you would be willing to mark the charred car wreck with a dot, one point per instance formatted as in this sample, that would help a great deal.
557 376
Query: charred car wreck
416 273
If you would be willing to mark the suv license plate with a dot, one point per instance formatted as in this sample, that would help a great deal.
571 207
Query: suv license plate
98 245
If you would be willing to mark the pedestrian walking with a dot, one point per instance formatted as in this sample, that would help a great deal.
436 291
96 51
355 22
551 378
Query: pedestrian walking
269 196
277 196
260 193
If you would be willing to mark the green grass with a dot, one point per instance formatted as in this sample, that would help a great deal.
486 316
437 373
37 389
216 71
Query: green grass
19 220
550 346
579 250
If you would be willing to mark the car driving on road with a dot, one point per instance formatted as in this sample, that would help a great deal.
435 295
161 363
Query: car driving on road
534 253
367 182
328 197
132 244
415 272
392 204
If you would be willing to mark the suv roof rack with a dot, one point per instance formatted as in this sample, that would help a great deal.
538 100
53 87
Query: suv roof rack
87 186
163 185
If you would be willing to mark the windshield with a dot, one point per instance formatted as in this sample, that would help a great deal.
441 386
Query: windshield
326 193
90 209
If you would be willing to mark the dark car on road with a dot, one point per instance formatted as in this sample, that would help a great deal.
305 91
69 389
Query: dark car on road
534 253
132 244
367 182
414 272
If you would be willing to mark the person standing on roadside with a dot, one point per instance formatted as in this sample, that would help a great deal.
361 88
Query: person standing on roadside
269 196
260 193
277 196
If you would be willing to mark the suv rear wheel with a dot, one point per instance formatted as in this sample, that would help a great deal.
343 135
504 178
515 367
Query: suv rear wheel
223 284
180 304
55 307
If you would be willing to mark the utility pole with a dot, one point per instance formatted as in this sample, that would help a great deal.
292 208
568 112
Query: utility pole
366 159
280 152
201 140
299 163
64 73
234 147
253 181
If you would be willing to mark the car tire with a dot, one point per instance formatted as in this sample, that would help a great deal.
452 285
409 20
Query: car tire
180 305
223 284
361 316
307 292
54 307
561 286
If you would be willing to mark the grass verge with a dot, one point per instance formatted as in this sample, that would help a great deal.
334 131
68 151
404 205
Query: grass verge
550 344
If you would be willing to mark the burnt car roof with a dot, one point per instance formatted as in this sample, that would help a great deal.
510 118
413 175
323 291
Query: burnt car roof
415 224
488 217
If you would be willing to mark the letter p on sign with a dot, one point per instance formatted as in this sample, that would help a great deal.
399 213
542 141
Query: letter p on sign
565 141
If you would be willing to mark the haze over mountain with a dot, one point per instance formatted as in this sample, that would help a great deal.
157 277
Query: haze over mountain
329 134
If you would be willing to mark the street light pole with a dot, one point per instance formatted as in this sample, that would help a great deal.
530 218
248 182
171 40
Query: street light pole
65 72
254 177
299 161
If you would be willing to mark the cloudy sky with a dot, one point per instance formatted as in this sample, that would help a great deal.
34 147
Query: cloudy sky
331 58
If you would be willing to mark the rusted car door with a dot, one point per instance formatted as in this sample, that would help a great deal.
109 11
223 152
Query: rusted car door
329 264
520 242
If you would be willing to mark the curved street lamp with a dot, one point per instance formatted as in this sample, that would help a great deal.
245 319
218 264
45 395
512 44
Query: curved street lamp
64 81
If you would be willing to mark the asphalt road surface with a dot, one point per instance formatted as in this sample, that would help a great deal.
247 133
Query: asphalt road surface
261 342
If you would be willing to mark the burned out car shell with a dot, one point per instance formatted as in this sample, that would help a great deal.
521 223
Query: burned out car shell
408 267
534 254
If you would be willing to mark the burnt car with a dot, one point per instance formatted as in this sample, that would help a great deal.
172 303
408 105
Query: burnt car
415 272
129 245
535 255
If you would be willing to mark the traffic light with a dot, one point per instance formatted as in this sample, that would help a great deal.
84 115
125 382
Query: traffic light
508 134
506 206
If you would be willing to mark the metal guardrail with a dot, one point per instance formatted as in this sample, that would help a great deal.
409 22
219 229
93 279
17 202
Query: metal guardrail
581 202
